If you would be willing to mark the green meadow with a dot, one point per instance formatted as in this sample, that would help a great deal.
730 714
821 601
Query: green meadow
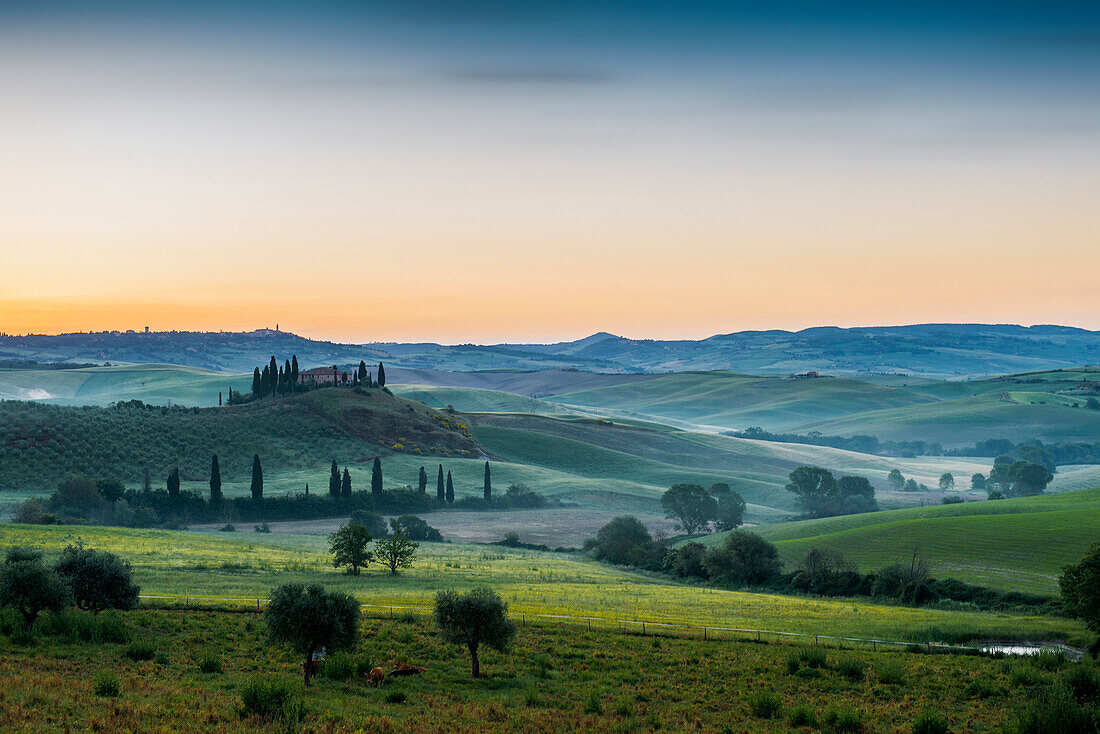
1012 545
192 565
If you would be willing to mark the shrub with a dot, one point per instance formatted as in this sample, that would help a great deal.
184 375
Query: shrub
1049 660
765 705
929 722
1054 710
842 720
1024 675
743 558
340 666
273 699
851 668
814 657
979 689
415 528
396 697
262 527
794 662
210 663
593 704
112 628
1083 683
889 673
802 716
624 707
105 684
140 650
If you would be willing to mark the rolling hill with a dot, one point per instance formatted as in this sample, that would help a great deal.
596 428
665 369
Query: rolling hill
1012 545
933 350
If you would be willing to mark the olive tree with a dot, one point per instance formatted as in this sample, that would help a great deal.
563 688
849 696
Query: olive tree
350 547
29 586
98 580
690 506
473 618
396 551
308 618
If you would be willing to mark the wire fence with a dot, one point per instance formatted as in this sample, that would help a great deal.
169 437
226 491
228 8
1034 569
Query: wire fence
625 626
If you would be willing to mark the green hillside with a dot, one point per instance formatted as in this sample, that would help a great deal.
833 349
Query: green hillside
967 420
1013 545
151 383
42 444
729 400
475 400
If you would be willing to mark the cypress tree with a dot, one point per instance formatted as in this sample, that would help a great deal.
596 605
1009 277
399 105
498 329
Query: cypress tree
488 488
376 478
370 379
265 381
334 480
440 492
281 382
345 485
293 370
450 489
273 366
423 480
257 479
307 489
174 484
381 375
288 384
257 382
362 370
219 399
215 482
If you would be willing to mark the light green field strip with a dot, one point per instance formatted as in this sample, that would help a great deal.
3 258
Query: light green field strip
173 562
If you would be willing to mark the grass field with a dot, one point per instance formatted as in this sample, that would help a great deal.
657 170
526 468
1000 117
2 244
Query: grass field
552 679
216 564
150 383
1012 545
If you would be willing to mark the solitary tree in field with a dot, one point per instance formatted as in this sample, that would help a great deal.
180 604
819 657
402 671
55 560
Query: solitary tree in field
473 618
487 488
396 551
1080 585
815 488
690 506
350 546
345 485
215 482
422 480
895 479
257 479
381 375
947 481
308 618
174 484
729 506
97 579
977 481
376 478
450 489
440 488
28 586
334 480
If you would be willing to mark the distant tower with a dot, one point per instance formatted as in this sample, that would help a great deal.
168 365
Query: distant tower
276 328
146 329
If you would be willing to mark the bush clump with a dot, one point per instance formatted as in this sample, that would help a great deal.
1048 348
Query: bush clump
929 722
339 666
851 668
765 705
889 673
210 663
842 720
105 684
273 699
802 716
140 650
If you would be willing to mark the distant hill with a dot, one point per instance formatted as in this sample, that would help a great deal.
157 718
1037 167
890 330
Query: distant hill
932 350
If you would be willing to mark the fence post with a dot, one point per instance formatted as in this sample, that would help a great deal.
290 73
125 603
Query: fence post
704 633
643 628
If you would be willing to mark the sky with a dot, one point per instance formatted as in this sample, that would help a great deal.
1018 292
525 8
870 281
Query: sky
407 170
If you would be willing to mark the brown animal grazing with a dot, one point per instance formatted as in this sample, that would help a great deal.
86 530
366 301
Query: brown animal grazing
376 676
401 669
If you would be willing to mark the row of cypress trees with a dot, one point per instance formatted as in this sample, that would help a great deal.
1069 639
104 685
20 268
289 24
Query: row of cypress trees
275 379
